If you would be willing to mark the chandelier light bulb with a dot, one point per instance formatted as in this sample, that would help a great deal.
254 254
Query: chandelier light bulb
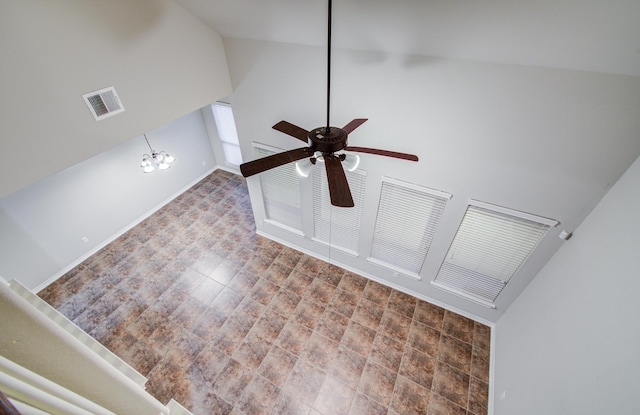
156 161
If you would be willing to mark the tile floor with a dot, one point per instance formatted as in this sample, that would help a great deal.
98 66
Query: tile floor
227 322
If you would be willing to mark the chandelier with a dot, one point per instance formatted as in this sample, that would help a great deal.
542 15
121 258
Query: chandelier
156 161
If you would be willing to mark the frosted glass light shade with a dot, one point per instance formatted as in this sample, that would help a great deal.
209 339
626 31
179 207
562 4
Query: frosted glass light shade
351 161
162 160
303 167
147 164
156 161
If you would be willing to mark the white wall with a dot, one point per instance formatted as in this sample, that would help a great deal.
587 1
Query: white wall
41 225
163 62
569 343
543 141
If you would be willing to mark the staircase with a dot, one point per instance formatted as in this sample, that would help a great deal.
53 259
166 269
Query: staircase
28 389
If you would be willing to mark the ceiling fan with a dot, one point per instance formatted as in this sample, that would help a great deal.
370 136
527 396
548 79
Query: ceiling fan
325 140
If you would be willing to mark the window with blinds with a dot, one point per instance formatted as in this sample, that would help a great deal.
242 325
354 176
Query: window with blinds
407 218
336 226
226 126
281 193
488 249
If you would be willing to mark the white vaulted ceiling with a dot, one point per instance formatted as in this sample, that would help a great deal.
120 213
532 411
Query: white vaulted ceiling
590 35
526 105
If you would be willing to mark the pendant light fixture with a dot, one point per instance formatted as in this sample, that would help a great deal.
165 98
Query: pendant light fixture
156 161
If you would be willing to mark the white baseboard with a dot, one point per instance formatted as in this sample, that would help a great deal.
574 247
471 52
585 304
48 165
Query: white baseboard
128 227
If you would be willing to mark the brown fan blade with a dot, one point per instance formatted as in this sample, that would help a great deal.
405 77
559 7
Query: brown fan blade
338 186
354 124
266 163
292 130
379 152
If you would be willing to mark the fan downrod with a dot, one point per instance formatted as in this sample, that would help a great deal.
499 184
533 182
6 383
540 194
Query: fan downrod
325 140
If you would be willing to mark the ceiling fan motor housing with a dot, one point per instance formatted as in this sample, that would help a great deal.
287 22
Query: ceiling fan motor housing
327 142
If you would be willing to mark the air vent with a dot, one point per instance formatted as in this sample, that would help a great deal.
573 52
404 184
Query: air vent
103 103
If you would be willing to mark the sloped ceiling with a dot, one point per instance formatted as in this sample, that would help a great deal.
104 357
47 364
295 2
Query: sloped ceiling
527 105
544 141
590 35
162 61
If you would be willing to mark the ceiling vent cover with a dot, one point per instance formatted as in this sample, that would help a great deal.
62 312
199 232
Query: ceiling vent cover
103 103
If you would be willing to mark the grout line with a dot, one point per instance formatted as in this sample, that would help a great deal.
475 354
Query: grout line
360 297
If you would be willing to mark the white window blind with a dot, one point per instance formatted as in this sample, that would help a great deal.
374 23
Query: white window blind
407 219
226 126
489 248
281 193
337 226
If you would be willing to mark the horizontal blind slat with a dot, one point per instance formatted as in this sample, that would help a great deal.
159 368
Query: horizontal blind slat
472 283
281 193
225 123
334 225
487 251
405 225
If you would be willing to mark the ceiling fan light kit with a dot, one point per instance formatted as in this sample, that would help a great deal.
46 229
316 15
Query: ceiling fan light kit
351 162
322 145
303 167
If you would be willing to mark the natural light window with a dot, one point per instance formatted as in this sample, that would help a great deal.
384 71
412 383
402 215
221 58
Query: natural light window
408 216
489 248
226 126
337 227
280 192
